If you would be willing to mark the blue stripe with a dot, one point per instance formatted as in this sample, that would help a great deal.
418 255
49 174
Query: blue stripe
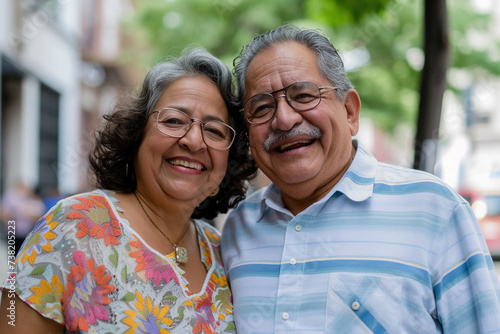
364 181
251 270
329 266
368 318
458 274
248 206
489 262
412 188
372 266
484 305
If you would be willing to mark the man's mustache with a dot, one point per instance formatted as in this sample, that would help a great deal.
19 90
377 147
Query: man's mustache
302 129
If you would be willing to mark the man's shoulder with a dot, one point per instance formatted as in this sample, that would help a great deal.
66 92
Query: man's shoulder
400 174
397 179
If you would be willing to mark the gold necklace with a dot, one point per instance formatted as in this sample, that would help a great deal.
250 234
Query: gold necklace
180 252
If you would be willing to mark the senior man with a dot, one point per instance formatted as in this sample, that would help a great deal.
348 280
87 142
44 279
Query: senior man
338 242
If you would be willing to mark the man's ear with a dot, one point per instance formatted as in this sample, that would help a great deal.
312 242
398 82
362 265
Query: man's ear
352 104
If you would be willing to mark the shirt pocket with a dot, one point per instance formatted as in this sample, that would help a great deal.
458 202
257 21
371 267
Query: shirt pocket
358 303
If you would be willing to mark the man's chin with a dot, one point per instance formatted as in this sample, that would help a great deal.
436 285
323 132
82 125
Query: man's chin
291 178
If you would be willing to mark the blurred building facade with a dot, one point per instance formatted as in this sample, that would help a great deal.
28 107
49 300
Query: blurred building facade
58 76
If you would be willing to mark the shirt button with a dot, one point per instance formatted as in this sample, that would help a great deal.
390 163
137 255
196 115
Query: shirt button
285 316
355 306
298 227
293 261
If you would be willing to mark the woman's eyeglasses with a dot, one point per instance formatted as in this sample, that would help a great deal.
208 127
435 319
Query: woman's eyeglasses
175 123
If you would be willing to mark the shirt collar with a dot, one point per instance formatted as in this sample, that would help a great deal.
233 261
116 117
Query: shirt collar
356 184
271 199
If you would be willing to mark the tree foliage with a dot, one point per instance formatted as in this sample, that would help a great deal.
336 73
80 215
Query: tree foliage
337 12
220 26
380 40
475 46
388 82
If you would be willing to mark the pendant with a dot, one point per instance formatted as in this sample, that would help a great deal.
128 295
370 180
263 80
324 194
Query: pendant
181 254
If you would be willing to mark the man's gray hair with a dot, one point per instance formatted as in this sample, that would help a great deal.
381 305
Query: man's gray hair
329 62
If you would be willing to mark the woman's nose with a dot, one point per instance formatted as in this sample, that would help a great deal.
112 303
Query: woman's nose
193 139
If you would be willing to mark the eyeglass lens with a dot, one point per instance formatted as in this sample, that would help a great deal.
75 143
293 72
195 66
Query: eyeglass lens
176 123
300 96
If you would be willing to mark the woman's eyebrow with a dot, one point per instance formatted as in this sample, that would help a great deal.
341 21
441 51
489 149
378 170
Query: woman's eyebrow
206 118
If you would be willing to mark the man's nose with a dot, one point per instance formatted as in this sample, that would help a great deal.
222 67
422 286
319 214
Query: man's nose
285 117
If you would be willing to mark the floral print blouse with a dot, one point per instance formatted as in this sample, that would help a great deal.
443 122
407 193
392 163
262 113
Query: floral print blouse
85 267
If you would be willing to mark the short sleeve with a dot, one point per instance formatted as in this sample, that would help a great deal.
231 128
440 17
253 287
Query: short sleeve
37 274
60 270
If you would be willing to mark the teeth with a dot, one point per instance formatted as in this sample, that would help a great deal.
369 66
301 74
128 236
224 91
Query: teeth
283 147
186 164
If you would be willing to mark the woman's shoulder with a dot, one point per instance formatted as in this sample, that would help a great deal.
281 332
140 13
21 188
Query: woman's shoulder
83 211
97 198
76 221
74 198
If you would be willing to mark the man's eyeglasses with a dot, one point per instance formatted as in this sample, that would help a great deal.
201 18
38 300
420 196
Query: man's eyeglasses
175 123
301 96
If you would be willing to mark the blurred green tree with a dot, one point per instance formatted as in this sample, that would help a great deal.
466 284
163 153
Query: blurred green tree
383 56
381 40
165 27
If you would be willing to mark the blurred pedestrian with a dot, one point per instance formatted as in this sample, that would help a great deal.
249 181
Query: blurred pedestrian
52 197
22 206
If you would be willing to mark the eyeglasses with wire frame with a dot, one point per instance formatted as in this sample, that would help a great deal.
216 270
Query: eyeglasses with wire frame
301 96
176 123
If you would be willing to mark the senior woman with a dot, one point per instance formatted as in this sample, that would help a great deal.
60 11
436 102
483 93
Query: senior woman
133 256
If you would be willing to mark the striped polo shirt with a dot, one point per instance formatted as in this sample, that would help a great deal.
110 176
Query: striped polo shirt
388 250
